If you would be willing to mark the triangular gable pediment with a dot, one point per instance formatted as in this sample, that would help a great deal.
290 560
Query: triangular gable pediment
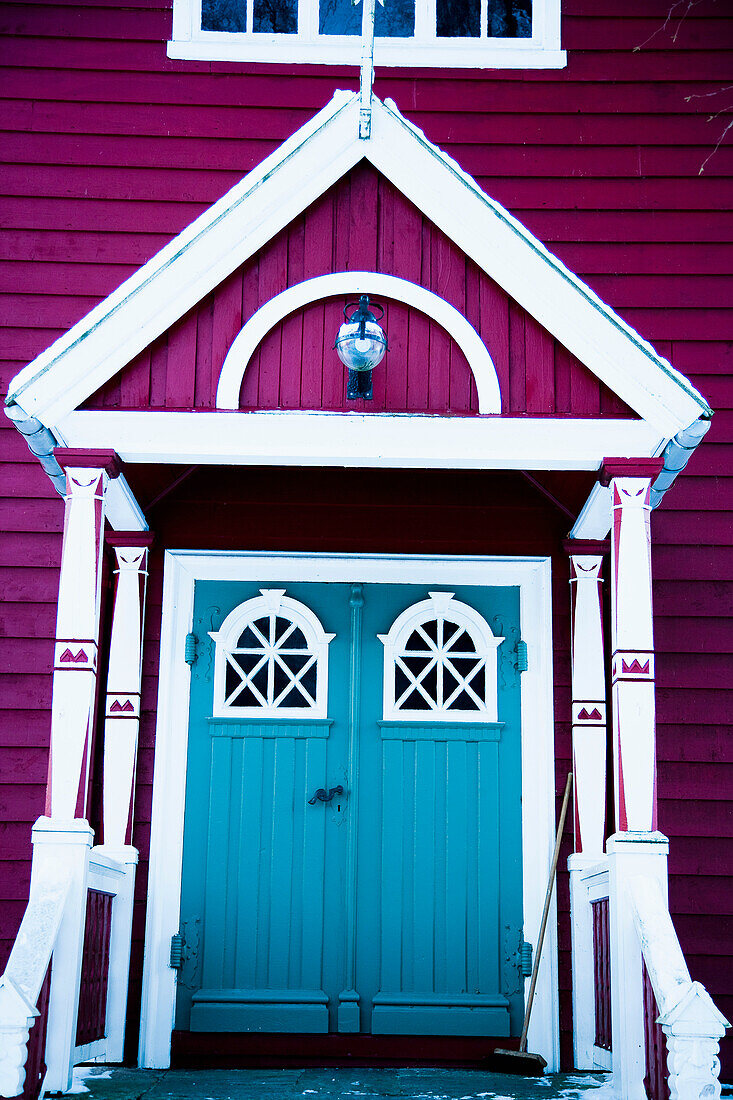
272 195
294 365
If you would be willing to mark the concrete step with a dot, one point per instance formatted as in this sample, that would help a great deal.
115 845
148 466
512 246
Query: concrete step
424 1083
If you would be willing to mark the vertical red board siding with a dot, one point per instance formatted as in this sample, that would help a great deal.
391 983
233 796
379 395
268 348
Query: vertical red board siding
296 365
35 1066
656 1080
602 973
113 149
91 1020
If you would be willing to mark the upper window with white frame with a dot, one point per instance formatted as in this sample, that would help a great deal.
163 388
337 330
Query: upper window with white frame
271 660
447 33
440 664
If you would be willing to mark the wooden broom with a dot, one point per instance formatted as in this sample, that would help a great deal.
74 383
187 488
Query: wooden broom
519 1061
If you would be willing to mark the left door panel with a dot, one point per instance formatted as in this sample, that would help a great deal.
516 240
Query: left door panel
263 865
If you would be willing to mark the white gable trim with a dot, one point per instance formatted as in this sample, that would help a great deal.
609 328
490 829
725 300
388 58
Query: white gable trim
362 439
352 283
285 184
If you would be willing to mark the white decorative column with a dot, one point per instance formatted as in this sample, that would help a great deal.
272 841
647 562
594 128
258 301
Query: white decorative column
124 676
121 725
77 630
72 712
636 849
588 670
632 644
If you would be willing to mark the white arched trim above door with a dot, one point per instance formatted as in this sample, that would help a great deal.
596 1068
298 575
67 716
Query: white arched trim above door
353 283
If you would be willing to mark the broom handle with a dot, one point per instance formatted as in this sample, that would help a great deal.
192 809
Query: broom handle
543 925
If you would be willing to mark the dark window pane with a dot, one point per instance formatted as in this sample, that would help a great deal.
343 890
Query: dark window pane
294 698
463 702
416 664
461 644
246 698
232 680
308 680
223 15
416 642
458 18
275 16
249 640
431 629
510 19
395 20
401 683
296 640
416 701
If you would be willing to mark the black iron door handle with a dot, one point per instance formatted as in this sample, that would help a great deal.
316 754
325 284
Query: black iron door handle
322 795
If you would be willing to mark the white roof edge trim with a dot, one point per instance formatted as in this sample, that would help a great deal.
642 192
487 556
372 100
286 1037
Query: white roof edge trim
171 252
358 282
280 188
404 441
390 108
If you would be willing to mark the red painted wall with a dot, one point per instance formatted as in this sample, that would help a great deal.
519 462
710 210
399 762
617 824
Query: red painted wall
295 366
112 149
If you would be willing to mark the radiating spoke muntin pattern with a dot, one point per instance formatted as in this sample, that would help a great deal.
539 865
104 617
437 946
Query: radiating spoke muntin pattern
271 659
440 663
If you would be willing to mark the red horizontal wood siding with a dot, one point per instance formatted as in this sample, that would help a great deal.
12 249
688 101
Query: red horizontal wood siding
112 149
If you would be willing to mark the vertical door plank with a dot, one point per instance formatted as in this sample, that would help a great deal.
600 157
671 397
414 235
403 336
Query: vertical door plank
392 866
216 860
488 866
314 854
233 865
424 864
281 855
456 868
249 872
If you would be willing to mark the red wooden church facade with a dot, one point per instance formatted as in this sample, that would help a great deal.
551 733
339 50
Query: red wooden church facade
113 149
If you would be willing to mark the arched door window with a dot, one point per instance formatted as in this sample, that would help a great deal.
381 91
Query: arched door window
440 661
271 660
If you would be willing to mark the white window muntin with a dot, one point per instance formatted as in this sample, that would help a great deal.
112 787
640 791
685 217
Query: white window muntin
540 51
441 607
271 652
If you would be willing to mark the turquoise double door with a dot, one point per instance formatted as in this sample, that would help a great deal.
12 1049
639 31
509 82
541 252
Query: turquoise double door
352 854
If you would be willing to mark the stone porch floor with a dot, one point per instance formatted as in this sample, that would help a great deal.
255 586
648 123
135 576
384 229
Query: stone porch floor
99 1083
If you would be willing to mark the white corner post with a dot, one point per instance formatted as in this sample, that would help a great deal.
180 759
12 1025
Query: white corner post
636 848
77 630
74 686
121 726
589 771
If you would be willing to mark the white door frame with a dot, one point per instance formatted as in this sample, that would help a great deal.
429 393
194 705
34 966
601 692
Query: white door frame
182 569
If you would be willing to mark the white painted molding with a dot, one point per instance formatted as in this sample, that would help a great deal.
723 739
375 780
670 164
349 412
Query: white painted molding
352 283
441 606
271 602
541 50
182 570
284 185
594 520
362 439
122 509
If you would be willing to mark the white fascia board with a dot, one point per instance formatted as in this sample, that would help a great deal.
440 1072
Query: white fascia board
194 262
594 520
361 439
536 279
120 507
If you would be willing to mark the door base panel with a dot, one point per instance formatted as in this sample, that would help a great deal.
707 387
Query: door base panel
194 1050
270 1010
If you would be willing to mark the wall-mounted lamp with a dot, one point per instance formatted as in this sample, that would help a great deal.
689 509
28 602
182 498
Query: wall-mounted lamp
361 345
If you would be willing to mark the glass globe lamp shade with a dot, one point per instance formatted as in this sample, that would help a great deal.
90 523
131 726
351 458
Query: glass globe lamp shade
360 345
